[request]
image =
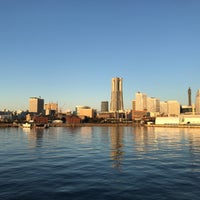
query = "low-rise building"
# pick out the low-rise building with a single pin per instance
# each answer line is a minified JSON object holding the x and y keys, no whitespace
{"x":86,"y":112}
{"x":167,"y":121}
{"x":190,"y":119}
{"x":72,"y":119}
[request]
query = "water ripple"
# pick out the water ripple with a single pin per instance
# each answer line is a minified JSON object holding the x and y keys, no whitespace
{"x":100,"y":163}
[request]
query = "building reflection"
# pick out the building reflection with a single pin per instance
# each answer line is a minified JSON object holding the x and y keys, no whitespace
{"x":35,"y":137}
{"x":116,"y":138}
{"x":86,"y":134}
{"x":154,"y":140}
{"x":145,"y":139}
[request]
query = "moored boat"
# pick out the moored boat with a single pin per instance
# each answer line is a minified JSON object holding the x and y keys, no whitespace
{"x":26,"y":125}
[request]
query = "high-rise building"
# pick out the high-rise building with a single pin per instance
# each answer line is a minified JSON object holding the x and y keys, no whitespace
{"x":173,"y":108}
{"x":36,"y":105}
{"x":153,"y":104}
{"x":104,"y":106}
{"x":163,"y":108}
{"x":189,"y":97}
{"x":141,"y":101}
{"x":116,"y":104}
{"x":197,"y":102}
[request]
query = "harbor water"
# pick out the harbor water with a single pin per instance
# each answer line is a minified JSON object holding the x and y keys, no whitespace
{"x":101,"y":163}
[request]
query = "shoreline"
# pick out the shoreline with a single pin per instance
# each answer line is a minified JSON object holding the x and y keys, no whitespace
{"x":11,"y":125}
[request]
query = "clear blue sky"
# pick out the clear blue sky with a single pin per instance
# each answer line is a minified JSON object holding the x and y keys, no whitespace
{"x":67,"y":51}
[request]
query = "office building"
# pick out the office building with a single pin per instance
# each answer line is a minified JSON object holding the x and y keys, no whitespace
{"x":104,"y":106}
{"x":36,"y":105}
{"x":51,"y":108}
{"x":163,"y":108}
{"x":153,"y":105}
{"x":116,"y":104}
{"x":173,"y":108}
{"x":141,"y":101}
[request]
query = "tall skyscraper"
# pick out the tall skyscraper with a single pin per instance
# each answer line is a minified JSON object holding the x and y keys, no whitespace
{"x":197,"y":103}
{"x":116,"y":104}
{"x":36,"y":105}
{"x":189,"y":97}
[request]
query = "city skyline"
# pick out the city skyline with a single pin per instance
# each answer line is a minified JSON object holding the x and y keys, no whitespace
{"x":68,"y":51}
{"x":116,"y":100}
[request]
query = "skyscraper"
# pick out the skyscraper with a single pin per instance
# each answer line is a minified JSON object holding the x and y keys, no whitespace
{"x":197,"y":103}
{"x":36,"y":105}
{"x":189,"y":97}
{"x":116,"y":104}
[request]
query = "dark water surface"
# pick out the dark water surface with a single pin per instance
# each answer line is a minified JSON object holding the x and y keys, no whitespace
{"x":99,"y":163}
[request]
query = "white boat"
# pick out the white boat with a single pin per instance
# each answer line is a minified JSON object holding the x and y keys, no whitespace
{"x":26,"y":125}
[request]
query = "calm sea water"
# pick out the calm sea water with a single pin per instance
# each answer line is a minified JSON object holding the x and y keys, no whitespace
{"x":99,"y":163}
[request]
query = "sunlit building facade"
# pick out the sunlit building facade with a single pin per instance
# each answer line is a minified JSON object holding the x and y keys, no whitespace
{"x":153,"y":104}
{"x":36,"y":105}
{"x":141,"y":101}
{"x":173,"y":108}
{"x":51,"y":108}
{"x":116,"y":104}
{"x":163,"y":108}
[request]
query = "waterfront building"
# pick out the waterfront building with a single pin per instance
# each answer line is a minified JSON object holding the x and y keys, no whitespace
{"x":186,"y":109}
{"x":73,"y":119}
{"x":190,"y":119}
{"x":36,"y":105}
{"x":138,"y":115}
{"x":173,"y":108}
{"x":197,"y":102}
{"x":141,"y":101}
{"x":116,"y":104}
{"x":167,"y":120}
{"x":104,"y":106}
{"x":178,"y":120}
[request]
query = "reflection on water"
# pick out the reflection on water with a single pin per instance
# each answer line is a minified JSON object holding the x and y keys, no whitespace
{"x":144,"y":139}
{"x":86,"y":134}
{"x":116,"y":138}
{"x":80,"y":163}
{"x":35,"y":136}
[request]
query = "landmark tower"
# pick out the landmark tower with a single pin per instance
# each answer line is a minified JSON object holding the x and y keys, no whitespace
{"x":189,"y":97}
{"x":116,"y":104}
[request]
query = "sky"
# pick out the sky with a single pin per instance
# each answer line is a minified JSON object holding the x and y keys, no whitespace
{"x":67,"y":51}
